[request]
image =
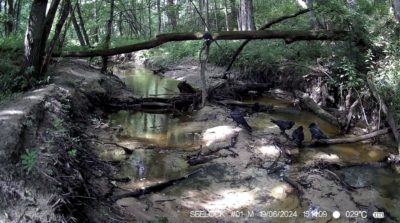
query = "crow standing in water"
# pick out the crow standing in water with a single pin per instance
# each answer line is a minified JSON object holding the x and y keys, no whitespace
{"x":238,"y":117}
{"x":283,"y":124}
{"x":316,"y":132}
{"x":298,"y":136}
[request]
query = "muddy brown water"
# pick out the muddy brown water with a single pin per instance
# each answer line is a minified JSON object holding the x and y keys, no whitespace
{"x":176,"y":133}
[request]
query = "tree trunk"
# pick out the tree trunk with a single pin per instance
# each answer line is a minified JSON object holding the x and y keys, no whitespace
{"x":57,"y":32}
{"x":17,"y":16}
{"x":226,"y":16}
{"x":216,"y":16}
{"x":51,"y":13}
{"x":108,"y":37}
{"x":120,"y":24}
{"x":313,"y":18}
{"x":246,"y":15}
{"x":159,"y":16}
{"x":208,"y":27}
{"x":234,"y":16}
{"x":77,"y":29}
{"x":171,"y":14}
{"x":33,"y":36}
{"x":10,"y":18}
{"x":96,"y":27}
{"x":396,"y":9}
{"x":82,"y":25}
{"x":149,"y":14}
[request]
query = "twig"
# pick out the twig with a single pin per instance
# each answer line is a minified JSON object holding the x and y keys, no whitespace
{"x":155,"y":187}
{"x":126,"y":149}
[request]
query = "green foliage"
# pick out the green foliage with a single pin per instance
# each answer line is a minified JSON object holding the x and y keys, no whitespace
{"x":349,"y":77}
{"x":28,"y":160}
{"x":58,"y":124}
{"x":72,"y":152}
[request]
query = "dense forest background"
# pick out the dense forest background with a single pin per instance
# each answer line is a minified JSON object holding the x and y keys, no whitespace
{"x":31,"y":31}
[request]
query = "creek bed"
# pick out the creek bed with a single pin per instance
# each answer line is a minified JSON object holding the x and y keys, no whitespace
{"x":224,"y":188}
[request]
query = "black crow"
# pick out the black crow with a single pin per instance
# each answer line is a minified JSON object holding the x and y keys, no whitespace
{"x":298,"y":136}
{"x":283,"y":124}
{"x":238,"y":117}
{"x":316,"y":132}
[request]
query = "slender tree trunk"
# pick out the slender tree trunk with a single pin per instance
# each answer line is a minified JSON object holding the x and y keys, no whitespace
{"x":207,"y":5}
{"x":396,"y":9}
{"x":216,"y":15}
{"x":77,"y":30}
{"x":82,"y":24}
{"x":60,"y":43}
{"x":33,"y":36}
{"x":108,"y":36}
{"x":246,"y":15}
{"x":313,"y":18}
{"x":17,"y":16}
{"x":149,"y":14}
{"x":96,"y":29}
{"x":120,"y":24}
{"x":171,"y":14}
{"x":226,"y":16}
{"x":234,"y":16}
{"x":51,"y":13}
{"x":159,"y":16}
{"x":57,"y":32}
{"x":10,"y":17}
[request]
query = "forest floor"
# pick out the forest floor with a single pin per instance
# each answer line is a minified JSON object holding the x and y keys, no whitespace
{"x":61,"y":124}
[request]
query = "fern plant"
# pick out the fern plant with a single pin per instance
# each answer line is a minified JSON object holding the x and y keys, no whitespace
{"x":28,"y":160}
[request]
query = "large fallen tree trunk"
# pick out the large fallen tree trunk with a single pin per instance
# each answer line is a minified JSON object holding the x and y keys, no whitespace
{"x":350,"y":139}
{"x":288,"y":36}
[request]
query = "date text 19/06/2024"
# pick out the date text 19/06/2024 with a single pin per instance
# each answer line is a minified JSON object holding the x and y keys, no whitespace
{"x":272,"y":214}
{"x":244,"y":214}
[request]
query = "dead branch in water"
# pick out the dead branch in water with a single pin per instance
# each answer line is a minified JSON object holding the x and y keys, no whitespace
{"x":126,"y":149}
{"x":155,"y":187}
{"x":349,"y":139}
{"x":310,"y":104}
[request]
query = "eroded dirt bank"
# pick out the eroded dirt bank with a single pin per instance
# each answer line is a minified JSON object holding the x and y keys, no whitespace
{"x":44,"y":131}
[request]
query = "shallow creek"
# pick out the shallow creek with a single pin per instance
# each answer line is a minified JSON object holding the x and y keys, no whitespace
{"x":218,"y":188}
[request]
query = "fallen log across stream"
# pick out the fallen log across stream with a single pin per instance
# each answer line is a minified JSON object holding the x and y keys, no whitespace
{"x":289,"y":37}
{"x":155,"y":187}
